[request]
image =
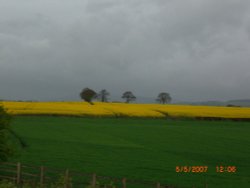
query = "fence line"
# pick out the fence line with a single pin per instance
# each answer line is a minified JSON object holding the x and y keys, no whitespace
{"x":40,"y":175}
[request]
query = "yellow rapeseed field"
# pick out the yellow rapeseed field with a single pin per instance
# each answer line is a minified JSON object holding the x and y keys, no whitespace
{"x":122,"y":109}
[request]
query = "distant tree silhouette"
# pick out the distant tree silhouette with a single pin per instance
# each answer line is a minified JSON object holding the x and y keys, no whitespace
{"x":129,"y":96}
{"x":103,"y":95}
{"x":163,"y":98}
{"x":88,"y":95}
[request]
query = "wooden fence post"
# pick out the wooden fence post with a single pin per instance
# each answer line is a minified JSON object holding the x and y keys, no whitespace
{"x":66,"y":181}
{"x":41,"y":176}
{"x":93,"y":184}
{"x":124,"y":183}
{"x":158,"y":185}
{"x":18,"y":174}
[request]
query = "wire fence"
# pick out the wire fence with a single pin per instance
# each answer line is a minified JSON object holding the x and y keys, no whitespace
{"x":42,"y":176}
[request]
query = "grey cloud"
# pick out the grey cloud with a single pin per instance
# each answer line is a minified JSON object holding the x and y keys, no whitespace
{"x":195,"y":49}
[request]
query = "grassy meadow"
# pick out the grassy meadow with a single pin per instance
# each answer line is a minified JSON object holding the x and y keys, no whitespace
{"x":148,"y":149}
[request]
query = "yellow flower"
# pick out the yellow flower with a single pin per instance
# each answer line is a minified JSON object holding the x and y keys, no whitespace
{"x":122,"y":109}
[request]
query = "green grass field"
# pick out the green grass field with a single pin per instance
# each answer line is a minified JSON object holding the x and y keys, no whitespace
{"x":147,"y":149}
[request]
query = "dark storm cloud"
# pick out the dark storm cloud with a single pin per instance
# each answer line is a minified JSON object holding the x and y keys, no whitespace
{"x":195,"y":49}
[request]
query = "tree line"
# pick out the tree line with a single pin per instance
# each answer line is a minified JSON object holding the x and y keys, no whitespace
{"x":89,"y":95}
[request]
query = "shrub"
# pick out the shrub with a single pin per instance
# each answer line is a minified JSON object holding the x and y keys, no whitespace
{"x":5,"y":149}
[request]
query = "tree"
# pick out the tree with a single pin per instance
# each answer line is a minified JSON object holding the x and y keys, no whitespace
{"x":5,"y":135}
{"x":163,"y":98}
{"x":88,"y":95}
{"x":103,"y":95}
{"x":129,"y":96}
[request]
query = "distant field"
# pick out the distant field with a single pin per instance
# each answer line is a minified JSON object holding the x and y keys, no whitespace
{"x":148,"y":149}
{"x":124,"y":110}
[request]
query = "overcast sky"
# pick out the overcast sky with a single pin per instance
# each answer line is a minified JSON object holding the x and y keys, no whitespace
{"x":193,"y":49}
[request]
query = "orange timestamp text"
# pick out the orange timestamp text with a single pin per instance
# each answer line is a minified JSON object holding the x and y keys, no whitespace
{"x":226,"y":169}
{"x":191,"y":169}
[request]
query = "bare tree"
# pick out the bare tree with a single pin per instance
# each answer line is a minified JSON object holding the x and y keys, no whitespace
{"x":129,"y":96}
{"x":88,"y":95}
{"x":164,"y":98}
{"x":103,"y":95}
